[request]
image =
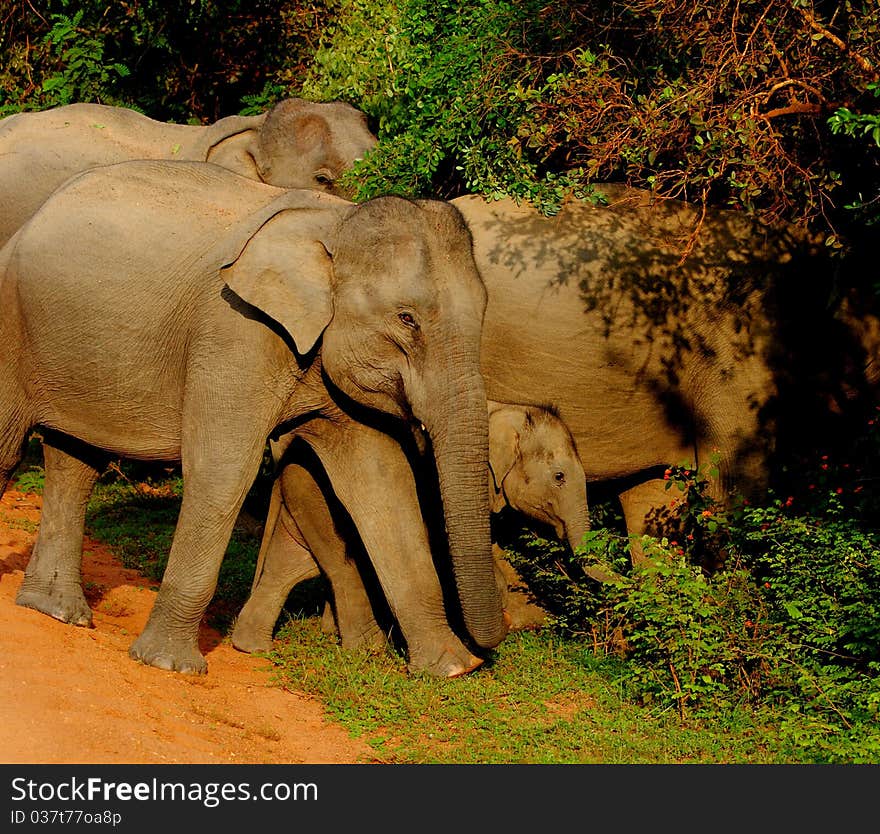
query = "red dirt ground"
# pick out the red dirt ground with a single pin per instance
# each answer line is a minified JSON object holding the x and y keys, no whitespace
{"x":73,"y":696}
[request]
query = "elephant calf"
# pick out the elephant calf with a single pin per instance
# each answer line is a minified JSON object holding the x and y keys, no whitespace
{"x":534,"y":470}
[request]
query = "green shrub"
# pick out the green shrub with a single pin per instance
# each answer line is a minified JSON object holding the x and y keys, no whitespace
{"x":452,"y":88}
{"x":789,"y":624}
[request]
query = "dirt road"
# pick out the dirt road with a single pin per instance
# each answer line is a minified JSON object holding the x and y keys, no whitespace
{"x":72,"y":695}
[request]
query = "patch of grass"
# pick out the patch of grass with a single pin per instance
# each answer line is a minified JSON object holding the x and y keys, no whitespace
{"x":30,"y":479}
{"x":137,"y":519}
{"x":541,"y":697}
{"x":539,"y":700}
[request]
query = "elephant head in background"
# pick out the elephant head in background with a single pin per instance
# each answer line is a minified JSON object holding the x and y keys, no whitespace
{"x":534,"y":470}
{"x":296,"y":144}
{"x":236,"y":308}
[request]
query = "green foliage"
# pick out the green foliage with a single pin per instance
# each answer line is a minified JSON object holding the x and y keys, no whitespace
{"x":178,"y":60}
{"x":820,"y":577}
{"x":789,"y":623}
{"x":31,"y":479}
{"x":722,"y":105}
{"x":866,"y":128}
{"x":83,"y":72}
{"x":865,"y":125}
{"x":450,"y":94}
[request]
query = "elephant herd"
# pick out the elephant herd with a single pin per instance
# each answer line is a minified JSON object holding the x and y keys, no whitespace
{"x":189,"y":294}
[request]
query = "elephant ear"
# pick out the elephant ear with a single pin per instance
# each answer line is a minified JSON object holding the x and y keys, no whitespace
{"x":219,"y":132}
{"x":285,"y":270}
{"x":505,"y":427}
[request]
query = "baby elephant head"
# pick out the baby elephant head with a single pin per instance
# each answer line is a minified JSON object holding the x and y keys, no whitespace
{"x":536,"y":470}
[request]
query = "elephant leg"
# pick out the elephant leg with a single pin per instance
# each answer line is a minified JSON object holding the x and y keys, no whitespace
{"x":328,"y":620}
{"x":14,"y":428}
{"x":285,"y":562}
{"x":216,"y":478}
{"x":645,"y":506}
{"x":374,"y":481}
{"x":308,"y":496}
{"x":53,"y":580}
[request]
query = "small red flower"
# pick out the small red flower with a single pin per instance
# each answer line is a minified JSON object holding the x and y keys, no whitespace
{"x":839,"y":490}
{"x":766,"y":584}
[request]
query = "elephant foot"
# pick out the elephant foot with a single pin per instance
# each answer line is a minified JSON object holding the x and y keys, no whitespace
{"x":250,"y":637}
{"x":356,"y":628}
{"x":66,"y":604}
{"x":450,"y":662}
{"x":370,"y":637}
{"x":169,"y":653}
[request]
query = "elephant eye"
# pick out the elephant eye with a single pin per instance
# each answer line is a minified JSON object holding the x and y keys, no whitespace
{"x":324,"y":177}
{"x":559,"y":477}
{"x":408,"y":319}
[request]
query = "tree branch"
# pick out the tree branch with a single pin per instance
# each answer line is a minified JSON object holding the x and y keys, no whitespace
{"x":863,"y":62}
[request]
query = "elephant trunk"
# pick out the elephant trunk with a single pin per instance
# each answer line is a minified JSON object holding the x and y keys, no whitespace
{"x":459,"y":435}
{"x":576,"y":526}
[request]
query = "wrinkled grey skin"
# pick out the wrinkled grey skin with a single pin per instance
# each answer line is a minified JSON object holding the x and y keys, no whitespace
{"x":176,"y":311}
{"x":296,"y":144}
{"x":654,"y":361}
{"x":534,"y":470}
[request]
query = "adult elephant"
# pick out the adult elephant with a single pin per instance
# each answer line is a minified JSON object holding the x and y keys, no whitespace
{"x":534,"y":470}
{"x":661,"y":336}
{"x":664,"y":337}
{"x":296,"y":144}
{"x":177,"y":311}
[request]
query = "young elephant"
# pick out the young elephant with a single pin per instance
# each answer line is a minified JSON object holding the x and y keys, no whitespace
{"x":296,"y":144}
{"x":177,"y":311}
{"x":534,"y":470}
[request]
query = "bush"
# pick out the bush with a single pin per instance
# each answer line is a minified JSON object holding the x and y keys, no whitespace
{"x":453,"y":89}
{"x":746,"y":105}
{"x":177,"y":60}
{"x":790,"y":624}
